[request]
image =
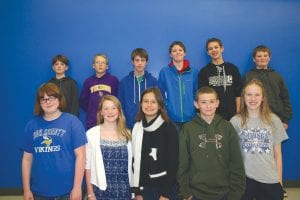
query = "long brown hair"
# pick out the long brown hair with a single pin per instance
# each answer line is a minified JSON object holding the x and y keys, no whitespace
{"x":265,"y":112}
{"x":158,"y":97}
{"x":122,"y":129}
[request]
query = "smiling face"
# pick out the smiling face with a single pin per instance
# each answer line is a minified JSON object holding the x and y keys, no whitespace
{"x":177,"y":53}
{"x":100,"y":65}
{"x":215,"y":50}
{"x":109,"y":111}
{"x":261,"y":59}
{"x":150,"y":106}
{"x":253,"y":98}
{"x":207,"y":104}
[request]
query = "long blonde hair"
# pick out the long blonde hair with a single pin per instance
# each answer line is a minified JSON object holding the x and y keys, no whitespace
{"x":122,"y":129}
{"x":265,"y":112}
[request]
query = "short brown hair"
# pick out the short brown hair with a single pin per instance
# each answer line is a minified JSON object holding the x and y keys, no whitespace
{"x":213,"y":40}
{"x":60,"y":58}
{"x":51,"y":90}
{"x":205,"y":90}
{"x":179,"y":43}
{"x":262,"y":48}
{"x":139,"y":52}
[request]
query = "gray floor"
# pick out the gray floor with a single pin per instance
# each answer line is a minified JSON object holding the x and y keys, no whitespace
{"x":293,"y":194}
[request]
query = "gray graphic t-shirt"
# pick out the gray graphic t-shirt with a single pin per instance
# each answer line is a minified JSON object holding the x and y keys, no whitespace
{"x":257,"y":141}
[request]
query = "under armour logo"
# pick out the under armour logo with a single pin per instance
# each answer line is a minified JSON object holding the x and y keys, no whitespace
{"x":215,"y":140}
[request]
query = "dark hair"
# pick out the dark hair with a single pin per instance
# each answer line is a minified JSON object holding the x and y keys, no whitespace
{"x":205,"y":90}
{"x":60,"y":58}
{"x":162,"y":110}
{"x":213,"y":40}
{"x":262,"y":48}
{"x":179,"y":43}
{"x":51,"y":90}
{"x":139,"y":52}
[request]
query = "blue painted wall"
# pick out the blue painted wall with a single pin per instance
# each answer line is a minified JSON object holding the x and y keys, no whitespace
{"x":32,"y":32}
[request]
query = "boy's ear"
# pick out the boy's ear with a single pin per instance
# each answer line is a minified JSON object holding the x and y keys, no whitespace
{"x":196,"y":105}
{"x":218,"y":103}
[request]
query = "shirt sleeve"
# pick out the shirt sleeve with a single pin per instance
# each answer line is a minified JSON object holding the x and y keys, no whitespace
{"x":278,"y":130}
{"x":27,"y":141}
{"x":84,"y":97}
{"x":78,"y":133}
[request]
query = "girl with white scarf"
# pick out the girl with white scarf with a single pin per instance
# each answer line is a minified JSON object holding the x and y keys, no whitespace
{"x":154,"y":149}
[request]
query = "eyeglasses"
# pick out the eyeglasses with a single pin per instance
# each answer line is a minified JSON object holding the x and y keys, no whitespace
{"x":149,"y":102}
{"x":45,"y":100}
{"x":100,"y":63}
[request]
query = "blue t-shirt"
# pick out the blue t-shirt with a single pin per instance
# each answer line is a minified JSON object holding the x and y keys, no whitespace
{"x":52,"y":145}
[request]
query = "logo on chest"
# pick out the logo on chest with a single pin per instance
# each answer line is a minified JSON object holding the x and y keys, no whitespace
{"x":216,"y":140}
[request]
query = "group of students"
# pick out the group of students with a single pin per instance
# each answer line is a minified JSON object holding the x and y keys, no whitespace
{"x":187,"y":135}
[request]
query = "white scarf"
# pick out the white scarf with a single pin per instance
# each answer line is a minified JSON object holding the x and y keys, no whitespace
{"x":137,"y":139}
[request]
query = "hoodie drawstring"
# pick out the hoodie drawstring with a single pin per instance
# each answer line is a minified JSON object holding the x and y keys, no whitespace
{"x":139,"y":85}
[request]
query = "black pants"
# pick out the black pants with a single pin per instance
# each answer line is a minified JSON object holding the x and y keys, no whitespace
{"x":262,"y":191}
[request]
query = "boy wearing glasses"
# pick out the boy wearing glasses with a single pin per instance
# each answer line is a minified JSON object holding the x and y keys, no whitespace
{"x":134,"y":84}
{"x":67,"y":85}
{"x":210,"y":160}
{"x":95,"y":87}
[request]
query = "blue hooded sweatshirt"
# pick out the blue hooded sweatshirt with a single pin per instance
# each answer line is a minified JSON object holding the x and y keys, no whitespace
{"x":178,"y":89}
{"x":130,"y":92}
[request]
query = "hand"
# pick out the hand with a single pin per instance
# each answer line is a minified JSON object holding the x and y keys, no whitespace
{"x":163,"y":198}
{"x":138,"y":197}
{"x":76,"y":194}
{"x":91,"y":198}
{"x":190,"y":198}
{"x":28,"y":195}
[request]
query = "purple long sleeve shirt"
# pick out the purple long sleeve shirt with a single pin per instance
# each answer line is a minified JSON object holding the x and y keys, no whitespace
{"x":93,"y":90}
